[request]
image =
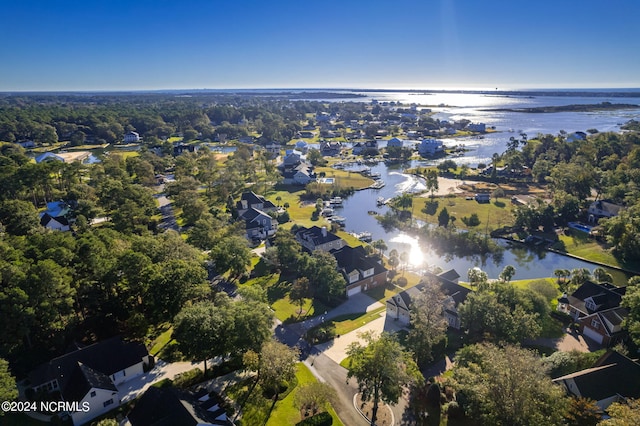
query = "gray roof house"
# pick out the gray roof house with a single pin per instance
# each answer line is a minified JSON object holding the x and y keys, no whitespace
{"x":91,"y":375}
{"x":399,"y":306}
{"x":613,"y":378}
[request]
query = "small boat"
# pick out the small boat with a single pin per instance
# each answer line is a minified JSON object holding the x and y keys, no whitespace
{"x":336,"y":201}
{"x":372,"y":212}
{"x":378,"y":184}
{"x":364,"y":236}
{"x":380,"y":201}
{"x":340,"y":220}
{"x":327,"y":212}
{"x":375,"y":175}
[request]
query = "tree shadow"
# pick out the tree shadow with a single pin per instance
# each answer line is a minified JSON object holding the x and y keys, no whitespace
{"x":500,"y":204}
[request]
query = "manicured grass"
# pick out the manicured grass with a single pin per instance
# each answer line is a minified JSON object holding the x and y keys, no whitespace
{"x":161,"y":341}
{"x":285,"y":413}
{"x":346,"y":179}
{"x":260,"y":411}
{"x":125,"y":154}
{"x":497,"y":213}
{"x":345,"y":362}
{"x":347,"y":323}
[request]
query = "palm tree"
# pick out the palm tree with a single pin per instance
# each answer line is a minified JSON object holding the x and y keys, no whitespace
{"x":404,"y":258}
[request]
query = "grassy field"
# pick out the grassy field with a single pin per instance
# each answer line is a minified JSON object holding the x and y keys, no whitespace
{"x":497,"y":213}
{"x":258,"y":410}
{"x":285,"y":413}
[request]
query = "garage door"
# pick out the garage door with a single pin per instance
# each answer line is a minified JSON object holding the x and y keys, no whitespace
{"x":592,"y":334}
{"x":353,"y":291}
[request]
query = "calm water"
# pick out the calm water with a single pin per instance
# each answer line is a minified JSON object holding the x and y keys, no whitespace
{"x":473,"y":107}
{"x":355,"y":209}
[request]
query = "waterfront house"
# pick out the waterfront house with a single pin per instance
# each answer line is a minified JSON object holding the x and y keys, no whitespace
{"x":602,"y":209}
{"x":596,"y":309}
{"x":273,"y":149}
{"x":394,"y":143}
{"x":64,"y":157}
{"x":302,"y":174}
{"x":361,"y":272}
{"x":254,"y":209}
{"x":330,"y":149}
{"x":90,"y":374}
{"x":477,"y":127}
{"x":182,"y":148}
{"x":316,"y":238}
{"x":131,"y":137}
{"x":613,"y":378}
{"x":399,"y":306}
{"x":430,"y":147}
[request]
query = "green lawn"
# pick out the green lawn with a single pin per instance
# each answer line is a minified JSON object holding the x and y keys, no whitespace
{"x":285,"y":413}
{"x":257,"y":410}
{"x":347,"y":323}
{"x":161,"y":341}
{"x":497,"y":213}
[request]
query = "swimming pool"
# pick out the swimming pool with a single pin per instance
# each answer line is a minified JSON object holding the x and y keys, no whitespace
{"x":580,"y":227}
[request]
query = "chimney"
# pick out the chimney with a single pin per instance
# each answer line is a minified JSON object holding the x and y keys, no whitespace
{"x":324,"y":231}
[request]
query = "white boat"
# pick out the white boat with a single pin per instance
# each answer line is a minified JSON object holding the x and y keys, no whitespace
{"x":378,"y":184}
{"x":340,"y":220}
{"x":336,"y":201}
{"x":364,"y":236}
{"x":380,"y":201}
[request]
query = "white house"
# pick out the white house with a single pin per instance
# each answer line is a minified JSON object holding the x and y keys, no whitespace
{"x":430,"y":147}
{"x":91,"y":374}
{"x":602,"y":209}
{"x":131,"y":137}
{"x":56,"y":217}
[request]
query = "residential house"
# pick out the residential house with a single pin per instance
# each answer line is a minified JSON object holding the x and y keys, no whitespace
{"x":361,"y":272}
{"x":65,"y":157}
{"x":394,"y":143}
{"x":399,"y":306}
{"x":307,"y":134}
{"x":245,"y":139}
{"x":182,"y":148}
{"x":131,"y":137}
{"x":362,"y":147}
{"x":576,"y":136}
{"x":292,"y":158}
{"x":91,"y":374}
{"x":602,"y":209}
{"x":171,"y":406}
{"x":482,"y":197}
{"x":604,"y":327}
{"x":273,"y":149}
{"x":613,"y":378}
{"x":596,"y":309}
{"x":254,"y":209}
{"x":477,"y":127}
{"x":430,"y":147}
{"x":302,"y":146}
{"x":27,"y":144}
{"x":57,"y":216}
{"x":330,"y":149}
{"x":302,"y":174}
{"x":316,"y":238}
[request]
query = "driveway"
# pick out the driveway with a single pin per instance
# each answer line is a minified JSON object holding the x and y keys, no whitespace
{"x":571,"y":341}
{"x":162,"y":370}
{"x":336,"y":349}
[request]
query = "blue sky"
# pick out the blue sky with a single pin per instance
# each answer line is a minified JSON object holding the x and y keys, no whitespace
{"x":193,"y":44}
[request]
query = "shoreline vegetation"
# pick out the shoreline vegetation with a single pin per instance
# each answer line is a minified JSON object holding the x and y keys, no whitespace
{"x":603,"y":106}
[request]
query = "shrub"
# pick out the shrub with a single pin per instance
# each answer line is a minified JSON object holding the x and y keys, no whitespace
{"x":188,"y":378}
{"x":472,"y":220}
{"x":321,"y":419}
{"x":401,"y":281}
{"x":322,"y":333}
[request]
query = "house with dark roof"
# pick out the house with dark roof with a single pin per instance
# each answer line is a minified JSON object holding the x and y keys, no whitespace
{"x":91,"y":374}
{"x":596,"y":309}
{"x":591,"y":297}
{"x":361,"y":272}
{"x":316,"y":238}
{"x":330,"y":149}
{"x":399,"y":306}
{"x":57,"y":216}
{"x":169,"y":406}
{"x":613,"y":378}
{"x":254,"y":209}
{"x":251,"y":200}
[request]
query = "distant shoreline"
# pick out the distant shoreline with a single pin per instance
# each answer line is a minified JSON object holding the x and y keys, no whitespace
{"x":567,"y":108}
{"x":344,"y":93}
